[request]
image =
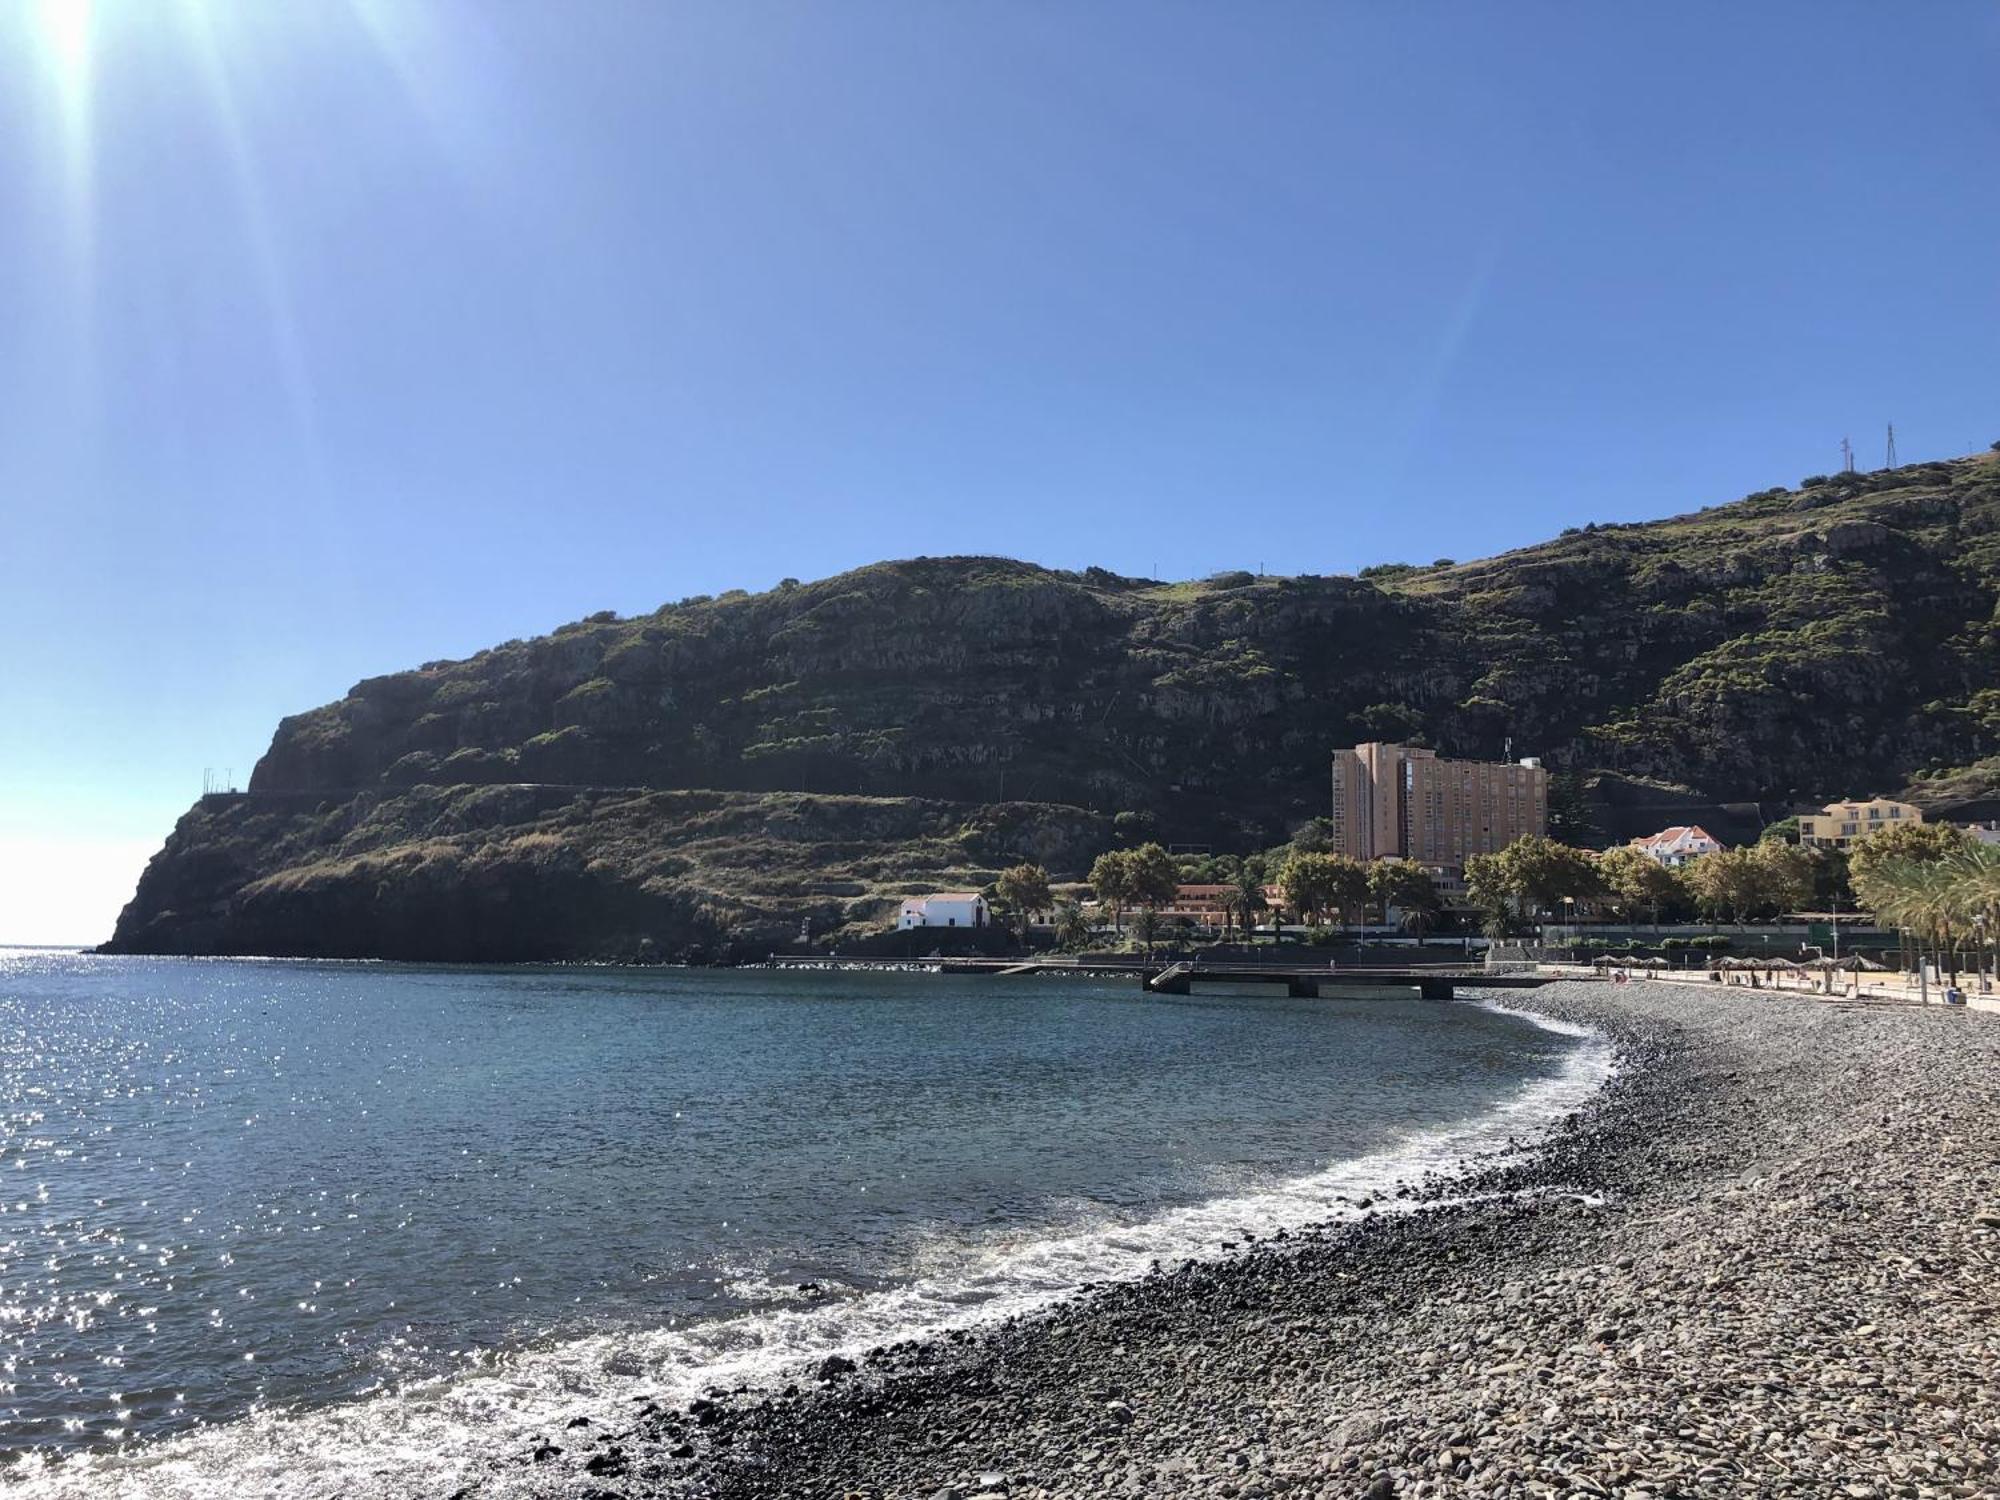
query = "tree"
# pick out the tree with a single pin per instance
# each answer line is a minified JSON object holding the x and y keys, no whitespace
{"x":1784,"y":831}
{"x":1917,"y":843}
{"x":1831,"y":887}
{"x":1489,"y":889}
{"x":1111,"y":878}
{"x":1541,"y":872}
{"x":1147,"y":927}
{"x":1941,"y":903}
{"x":1346,"y":885}
{"x":1787,"y":877}
{"x":1757,"y":880}
{"x":1572,"y":812}
{"x":1921,"y":898}
{"x":1024,"y":890}
{"x":1724,"y":883}
{"x":1072,"y":930}
{"x":1408,"y":888}
{"x":1245,"y":901}
{"x":1305,"y":883}
{"x":1155,"y":878}
{"x":1316,"y":836}
{"x":1310,"y":883}
{"x":1637,"y":883}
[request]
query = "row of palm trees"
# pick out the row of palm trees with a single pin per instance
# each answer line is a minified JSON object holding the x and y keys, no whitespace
{"x":1948,"y":906}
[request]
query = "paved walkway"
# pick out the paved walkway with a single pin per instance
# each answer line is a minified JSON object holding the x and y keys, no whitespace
{"x":1880,"y":988}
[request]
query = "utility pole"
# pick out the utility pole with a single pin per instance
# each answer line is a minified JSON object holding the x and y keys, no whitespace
{"x":1892,"y":446}
{"x":1846,"y":456}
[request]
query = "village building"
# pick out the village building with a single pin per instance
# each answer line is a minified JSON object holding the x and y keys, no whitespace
{"x":1841,"y":825}
{"x":945,"y":909}
{"x":1208,"y":905}
{"x":1404,"y":802}
{"x":1678,"y":846}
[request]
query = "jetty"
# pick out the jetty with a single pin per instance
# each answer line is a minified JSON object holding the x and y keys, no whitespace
{"x":1183,"y":976}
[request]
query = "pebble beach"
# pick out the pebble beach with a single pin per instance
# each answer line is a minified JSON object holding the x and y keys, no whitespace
{"x":1764,"y":1260}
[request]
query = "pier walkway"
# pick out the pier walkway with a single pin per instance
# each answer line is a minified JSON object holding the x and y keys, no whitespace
{"x":1182,"y":976}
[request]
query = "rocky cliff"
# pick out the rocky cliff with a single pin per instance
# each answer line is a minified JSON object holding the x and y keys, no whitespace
{"x":922,"y":721}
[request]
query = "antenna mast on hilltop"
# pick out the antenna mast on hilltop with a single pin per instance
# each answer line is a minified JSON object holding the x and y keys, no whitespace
{"x":1892,"y":446}
{"x":1846,"y":456}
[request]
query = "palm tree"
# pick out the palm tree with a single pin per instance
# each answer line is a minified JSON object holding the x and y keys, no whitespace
{"x":1936,"y":902}
{"x":1246,"y":901}
{"x":1072,"y":931}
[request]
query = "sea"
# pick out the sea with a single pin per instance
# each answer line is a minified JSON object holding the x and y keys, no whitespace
{"x":311,"y":1229}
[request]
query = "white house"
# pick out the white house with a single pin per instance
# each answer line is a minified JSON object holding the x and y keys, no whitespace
{"x":1677,"y":846}
{"x":945,"y":909}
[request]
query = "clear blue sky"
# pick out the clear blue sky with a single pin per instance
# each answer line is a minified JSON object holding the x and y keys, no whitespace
{"x":339,"y":335}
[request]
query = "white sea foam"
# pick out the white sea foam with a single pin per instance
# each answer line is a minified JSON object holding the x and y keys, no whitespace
{"x":428,"y":1438}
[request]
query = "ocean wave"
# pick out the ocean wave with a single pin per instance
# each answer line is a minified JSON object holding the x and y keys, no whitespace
{"x":431,"y":1437}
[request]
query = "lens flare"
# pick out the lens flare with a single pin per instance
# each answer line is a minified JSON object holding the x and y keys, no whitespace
{"x":260,"y":227}
{"x":62,"y":31}
{"x":65,"y":30}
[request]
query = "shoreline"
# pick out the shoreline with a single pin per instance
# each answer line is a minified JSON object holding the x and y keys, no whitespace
{"x":433,"y":1436}
{"x":1693,"y":1285}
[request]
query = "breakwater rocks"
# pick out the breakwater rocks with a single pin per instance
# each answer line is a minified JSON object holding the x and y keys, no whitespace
{"x":1764,"y":1261}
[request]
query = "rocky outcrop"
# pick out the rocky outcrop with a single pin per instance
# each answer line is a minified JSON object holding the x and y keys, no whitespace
{"x":1785,"y":647}
{"x":520,"y":873}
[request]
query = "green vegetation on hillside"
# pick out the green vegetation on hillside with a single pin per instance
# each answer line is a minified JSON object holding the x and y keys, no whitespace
{"x":1794,"y":646}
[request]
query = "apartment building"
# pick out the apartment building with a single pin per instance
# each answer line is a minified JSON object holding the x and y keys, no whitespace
{"x":1841,"y":825}
{"x":1407,"y":802}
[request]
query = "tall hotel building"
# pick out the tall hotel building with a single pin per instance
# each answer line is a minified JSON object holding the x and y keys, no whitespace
{"x":1399,"y":800}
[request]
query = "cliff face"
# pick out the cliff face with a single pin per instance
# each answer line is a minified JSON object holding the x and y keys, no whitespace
{"x":1792,"y":645}
{"x":516,"y":873}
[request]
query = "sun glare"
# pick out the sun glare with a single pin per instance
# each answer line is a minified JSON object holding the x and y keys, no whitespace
{"x":65,"y":30}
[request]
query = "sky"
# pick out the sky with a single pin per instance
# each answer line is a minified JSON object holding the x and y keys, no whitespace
{"x":341,"y":335}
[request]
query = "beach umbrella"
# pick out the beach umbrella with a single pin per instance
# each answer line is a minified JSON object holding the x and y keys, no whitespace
{"x":1783,"y":963}
{"x":1654,"y":962}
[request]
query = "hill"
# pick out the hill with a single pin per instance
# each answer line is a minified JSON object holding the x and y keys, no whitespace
{"x":1791,"y":646}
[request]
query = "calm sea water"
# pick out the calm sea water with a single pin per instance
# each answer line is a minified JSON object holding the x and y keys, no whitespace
{"x":337,"y":1228}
